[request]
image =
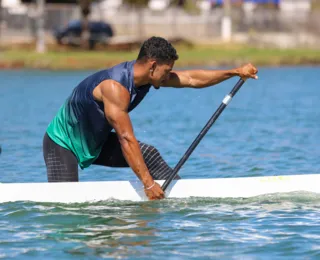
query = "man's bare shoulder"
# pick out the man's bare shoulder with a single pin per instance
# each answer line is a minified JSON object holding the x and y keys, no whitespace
{"x":112,"y":91}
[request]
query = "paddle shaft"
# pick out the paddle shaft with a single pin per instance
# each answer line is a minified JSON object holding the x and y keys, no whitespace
{"x":203,"y":132}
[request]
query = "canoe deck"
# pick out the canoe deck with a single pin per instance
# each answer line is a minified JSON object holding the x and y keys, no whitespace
{"x":78,"y":192}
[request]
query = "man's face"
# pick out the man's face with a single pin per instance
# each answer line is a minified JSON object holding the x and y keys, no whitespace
{"x":160,"y":73}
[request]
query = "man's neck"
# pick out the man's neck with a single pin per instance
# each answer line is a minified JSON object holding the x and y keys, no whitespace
{"x":140,"y":76}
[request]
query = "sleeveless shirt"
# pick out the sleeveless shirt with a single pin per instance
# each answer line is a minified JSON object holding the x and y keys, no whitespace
{"x":80,"y":124}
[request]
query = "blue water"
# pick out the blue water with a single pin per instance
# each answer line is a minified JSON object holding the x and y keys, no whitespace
{"x":271,"y":127}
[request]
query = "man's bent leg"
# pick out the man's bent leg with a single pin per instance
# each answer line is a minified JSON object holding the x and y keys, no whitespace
{"x":111,"y":155}
{"x":62,"y":165}
{"x":157,"y":167}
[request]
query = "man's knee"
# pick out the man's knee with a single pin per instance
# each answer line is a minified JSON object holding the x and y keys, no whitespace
{"x":157,"y":166}
{"x":149,"y":151}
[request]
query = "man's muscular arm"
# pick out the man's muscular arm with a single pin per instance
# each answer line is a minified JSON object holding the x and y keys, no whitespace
{"x":116,"y":100}
{"x":206,"y":78}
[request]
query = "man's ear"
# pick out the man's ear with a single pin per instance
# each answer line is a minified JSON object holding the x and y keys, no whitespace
{"x":153,"y":65}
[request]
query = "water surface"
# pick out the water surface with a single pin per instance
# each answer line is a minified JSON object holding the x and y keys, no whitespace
{"x":271,"y":127}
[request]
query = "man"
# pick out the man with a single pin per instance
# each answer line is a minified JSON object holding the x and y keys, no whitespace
{"x":80,"y":133}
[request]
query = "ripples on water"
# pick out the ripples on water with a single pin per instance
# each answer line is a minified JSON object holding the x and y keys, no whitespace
{"x":265,"y":226}
{"x":271,"y":127}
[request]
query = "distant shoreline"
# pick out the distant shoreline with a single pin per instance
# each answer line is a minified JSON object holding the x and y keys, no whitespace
{"x":24,"y":57}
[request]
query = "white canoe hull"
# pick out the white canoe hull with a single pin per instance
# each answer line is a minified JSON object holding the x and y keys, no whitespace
{"x":133,"y":191}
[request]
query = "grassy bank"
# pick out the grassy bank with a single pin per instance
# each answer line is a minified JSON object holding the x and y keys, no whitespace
{"x":200,"y":55}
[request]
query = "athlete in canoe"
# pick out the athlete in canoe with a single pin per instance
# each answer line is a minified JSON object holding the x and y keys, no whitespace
{"x":81,"y":132}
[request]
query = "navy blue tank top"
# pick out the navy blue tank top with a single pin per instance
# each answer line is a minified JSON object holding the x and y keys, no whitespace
{"x":80,"y":125}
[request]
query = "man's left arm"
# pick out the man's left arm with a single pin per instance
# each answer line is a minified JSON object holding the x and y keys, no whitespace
{"x":206,"y":78}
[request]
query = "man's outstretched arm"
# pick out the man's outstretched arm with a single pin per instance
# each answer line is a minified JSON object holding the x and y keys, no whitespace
{"x":116,"y":100}
{"x":206,"y":78}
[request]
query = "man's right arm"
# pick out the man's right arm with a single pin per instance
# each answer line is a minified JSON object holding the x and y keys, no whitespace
{"x":116,"y":100}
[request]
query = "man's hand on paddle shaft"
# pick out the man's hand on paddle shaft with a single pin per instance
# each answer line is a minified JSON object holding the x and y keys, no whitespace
{"x":247,"y":71}
{"x":155,"y":192}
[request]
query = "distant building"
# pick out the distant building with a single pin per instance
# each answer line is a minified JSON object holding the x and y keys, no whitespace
{"x":14,"y":6}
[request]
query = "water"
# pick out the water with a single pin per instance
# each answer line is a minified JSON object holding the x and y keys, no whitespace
{"x":271,"y":127}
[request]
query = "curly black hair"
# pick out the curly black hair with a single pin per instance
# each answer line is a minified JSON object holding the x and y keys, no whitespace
{"x":159,"y":49}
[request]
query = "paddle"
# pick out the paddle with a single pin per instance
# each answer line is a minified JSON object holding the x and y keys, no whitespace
{"x":206,"y":128}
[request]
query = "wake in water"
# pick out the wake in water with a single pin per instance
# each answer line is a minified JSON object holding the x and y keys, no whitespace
{"x":121,"y":229}
{"x":306,"y":198}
